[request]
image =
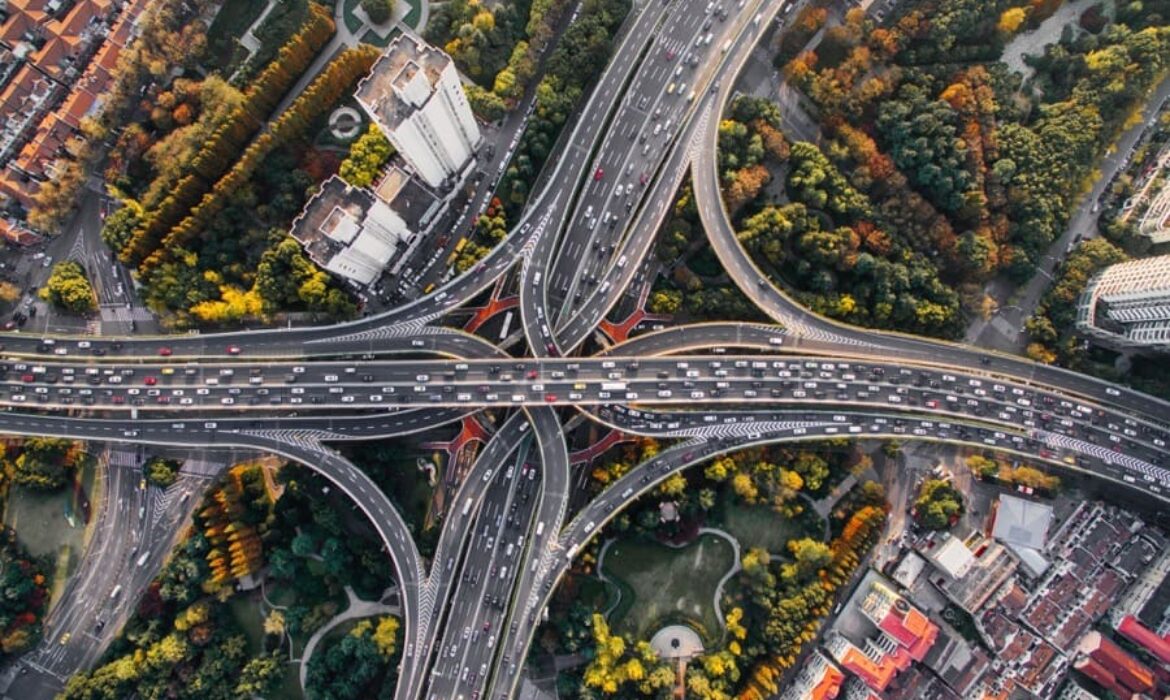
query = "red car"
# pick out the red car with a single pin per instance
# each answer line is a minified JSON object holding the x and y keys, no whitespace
{"x":165,"y":352}
{"x":233,"y":350}
{"x":550,"y":398}
{"x":598,"y":174}
{"x":532,"y":374}
{"x":150,"y":381}
{"x":26,"y":378}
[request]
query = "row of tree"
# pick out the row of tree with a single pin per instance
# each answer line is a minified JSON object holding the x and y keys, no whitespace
{"x":193,"y":273}
{"x":170,"y":37}
{"x":218,"y":152}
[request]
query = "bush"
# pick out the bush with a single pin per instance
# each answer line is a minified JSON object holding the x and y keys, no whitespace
{"x":68,"y":289}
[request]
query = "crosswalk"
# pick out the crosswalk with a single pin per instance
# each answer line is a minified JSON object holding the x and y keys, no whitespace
{"x":111,"y":313}
{"x":772,"y":429}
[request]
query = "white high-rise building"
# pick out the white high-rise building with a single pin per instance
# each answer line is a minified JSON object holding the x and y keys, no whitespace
{"x":1127,"y":305}
{"x":414,"y":94}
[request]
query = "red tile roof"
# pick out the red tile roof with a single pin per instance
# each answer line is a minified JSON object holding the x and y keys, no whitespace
{"x":1139,"y":634}
{"x":910,"y":628}
{"x":1129,"y":671}
{"x":1101,"y":676}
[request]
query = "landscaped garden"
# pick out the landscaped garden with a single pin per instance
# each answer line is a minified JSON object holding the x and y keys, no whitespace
{"x":661,"y":583}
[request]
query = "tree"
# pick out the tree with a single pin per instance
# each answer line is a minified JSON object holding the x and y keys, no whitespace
{"x":1011,"y":20}
{"x":161,"y":472}
{"x":9,"y":292}
{"x":261,"y":676}
{"x":274,"y":623}
{"x":386,"y":635}
{"x":938,"y":504}
{"x":665,"y":301}
{"x":68,"y":289}
{"x":379,"y":11}
{"x":367,"y":156}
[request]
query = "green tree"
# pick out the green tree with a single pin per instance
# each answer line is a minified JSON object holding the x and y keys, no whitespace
{"x":379,"y":11}
{"x":938,"y":503}
{"x":368,"y":154}
{"x":161,"y":472}
{"x":68,"y":289}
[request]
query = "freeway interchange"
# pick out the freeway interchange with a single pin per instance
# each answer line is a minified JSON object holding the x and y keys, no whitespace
{"x":507,"y":538}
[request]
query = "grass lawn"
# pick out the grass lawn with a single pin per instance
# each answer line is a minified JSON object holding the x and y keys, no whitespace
{"x":668,"y":582}
{"x":371,"y":37}
{"x":760,"y":526}
{"x":245,"y":611}
{"x":290,"y":687}
{"x":352,"y":23}
{"x":230,"y":23}
{"x":53,"y":524}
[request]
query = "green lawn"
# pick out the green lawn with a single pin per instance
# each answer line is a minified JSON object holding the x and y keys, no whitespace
{"x":760,"y":526}
{"x":52,"y":525}
{"x":245,"y":610}
{"x":371,"y":37}
{"x":229,"y":24}
{"x":668,"y":583}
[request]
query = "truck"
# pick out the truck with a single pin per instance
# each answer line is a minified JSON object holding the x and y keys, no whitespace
{"x":613,"y":386}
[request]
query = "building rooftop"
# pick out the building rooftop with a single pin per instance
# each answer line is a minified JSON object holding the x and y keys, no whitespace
{"x":401,"y":80}
{"x":818,"y":679}
{"x":1144,"y":637}
{"x":340,"y":217}
{"x":1022,"y":522}
{"x":953,"y":557}
{"x":1130,"y":672}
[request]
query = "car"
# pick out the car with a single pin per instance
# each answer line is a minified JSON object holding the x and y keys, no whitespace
{"x":598,"y":174}
{"x":165,"y":352}
{"x":1112,"y":392}
{"x":149,"y":381}
{"x":532,"y":374}
{"x":551,"y":398}
{"x":670,"y":54}
{"x":65,"y":638}
{"x":233,"y":350}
